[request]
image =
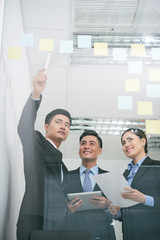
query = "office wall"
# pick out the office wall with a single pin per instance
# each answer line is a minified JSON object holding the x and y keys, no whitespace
{"x":14,"y":89}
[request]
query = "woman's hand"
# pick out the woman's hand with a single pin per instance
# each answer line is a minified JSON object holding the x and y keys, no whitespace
{"x":134,"y":195}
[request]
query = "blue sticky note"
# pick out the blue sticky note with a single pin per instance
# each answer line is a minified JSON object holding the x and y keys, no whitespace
{"x":135,"y":67}
{"x":26,"y":39}
{"x":119,"y":54}
{"x":84,"y":41}
{"x":155,"y":53}
{"x":153,"y":90}
{"x":125,"y":102}
{"x":66,"y":46}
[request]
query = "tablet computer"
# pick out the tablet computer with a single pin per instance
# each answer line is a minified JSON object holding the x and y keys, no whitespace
{"x":84,"y":196}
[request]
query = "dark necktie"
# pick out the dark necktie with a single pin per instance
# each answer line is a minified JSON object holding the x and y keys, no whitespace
{"x":87,"y":186}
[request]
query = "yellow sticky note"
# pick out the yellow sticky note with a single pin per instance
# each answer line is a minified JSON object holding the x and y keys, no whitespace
{"x":145,"y":108}
{"x":14,"y":53}
{"x":154,"y":74}
{"x":46,"y":45}
{"x":101,"y":49}
{"x":152,"y":126}
{"x":132,"y":85}
{"x":138,"y":50}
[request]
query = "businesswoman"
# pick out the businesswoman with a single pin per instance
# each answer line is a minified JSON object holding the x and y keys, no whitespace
{"x":141,"y":221}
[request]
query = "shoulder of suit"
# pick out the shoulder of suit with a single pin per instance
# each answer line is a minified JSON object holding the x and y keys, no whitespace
{"x":102,"y":170}
{"x":74,"y":171}
{"x":150,"y":161}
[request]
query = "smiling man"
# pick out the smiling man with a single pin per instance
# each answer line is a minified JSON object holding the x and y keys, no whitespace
{"x":43,"y":206}
{"x":97,"y":222}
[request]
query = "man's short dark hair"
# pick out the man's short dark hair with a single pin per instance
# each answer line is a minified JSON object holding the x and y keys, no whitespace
{"x":50,"y":115}
{"x":92,"y":133}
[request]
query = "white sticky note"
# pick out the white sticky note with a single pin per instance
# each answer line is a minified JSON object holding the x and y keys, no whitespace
{"x":153,"y":90}
{"x":84,"y":41}
{"x":66,"y":46}
{"x":26,"y":39}
{"x":145,"y":108}
{"x":125,"y":102}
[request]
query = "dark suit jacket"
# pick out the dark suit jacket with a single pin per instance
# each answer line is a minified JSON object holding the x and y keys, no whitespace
{"x":42,"y":168}
{"x":141,"y":222}
{"x":97,"y":222}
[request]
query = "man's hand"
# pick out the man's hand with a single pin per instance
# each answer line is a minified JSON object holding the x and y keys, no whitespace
{"x":99,"y":202}
{"x":134,"y":195}
{"x":39,"y":83}
{"x":74,"y":204}
{"x":113,"y":209}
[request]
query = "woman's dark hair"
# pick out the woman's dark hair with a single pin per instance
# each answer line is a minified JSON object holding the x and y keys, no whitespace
{"x":138,"y":132}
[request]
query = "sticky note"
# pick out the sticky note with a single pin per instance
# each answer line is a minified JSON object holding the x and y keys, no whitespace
{"x":154,"y":74}
{"x":66,"y":46}
{"x":84,"y":41}
{"x":155,"y":53}
{"x":138,"y":50}
{"x":14,"y":53}
{"x":135,"y":67}
{"x":26,"y":39}
{"x":125,"y":103}
{"x":46,"y":45}
{"x":132,"y":85}
{"x":153,"y":90}
{"x":152,"y":126}
{"x":101,"y":49}
{"x":119,"y":54}
{"x":145,"y":108}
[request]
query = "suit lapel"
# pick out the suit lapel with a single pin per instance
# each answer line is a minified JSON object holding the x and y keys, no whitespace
{"x":141,"y":171}
{"x":126,"y":173}
{"x":75,"y":181}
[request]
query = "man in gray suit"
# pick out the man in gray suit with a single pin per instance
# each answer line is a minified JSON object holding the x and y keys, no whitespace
{"x":43,"y":206}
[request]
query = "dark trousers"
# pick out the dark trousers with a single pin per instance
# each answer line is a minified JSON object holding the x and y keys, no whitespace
{"x":27,"y":224}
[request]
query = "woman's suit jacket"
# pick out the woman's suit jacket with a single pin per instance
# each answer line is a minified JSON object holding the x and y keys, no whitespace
{"x":44,"y":194}
{"x":97,"y":222}
{"x":141,"y":222}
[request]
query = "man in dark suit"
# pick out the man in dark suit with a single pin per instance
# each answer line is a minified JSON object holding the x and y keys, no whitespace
{"x":43,"y":206}
{"x":96,"y":221}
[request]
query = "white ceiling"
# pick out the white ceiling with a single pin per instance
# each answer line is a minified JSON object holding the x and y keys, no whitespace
{"x":86,"y":85}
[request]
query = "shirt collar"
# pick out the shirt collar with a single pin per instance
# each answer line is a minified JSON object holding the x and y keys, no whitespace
{"x":138,"y":164}
{"x":51,"y":143}
{"x":93,"y":169}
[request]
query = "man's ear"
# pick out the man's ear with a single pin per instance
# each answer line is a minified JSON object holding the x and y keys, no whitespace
{"x":100,"y":151}
{"x":46,"y":127}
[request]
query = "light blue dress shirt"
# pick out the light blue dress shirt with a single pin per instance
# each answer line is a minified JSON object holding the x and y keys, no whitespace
{"x":94,"y":171}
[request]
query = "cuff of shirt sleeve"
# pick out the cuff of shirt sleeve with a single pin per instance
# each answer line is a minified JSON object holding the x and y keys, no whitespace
{"x":149,"y":201}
